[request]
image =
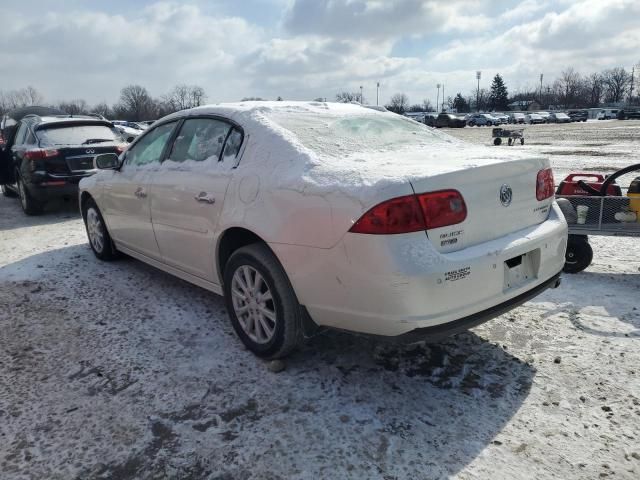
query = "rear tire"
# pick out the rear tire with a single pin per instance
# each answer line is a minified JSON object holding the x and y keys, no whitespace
{"x":497,"y":141}
{"x":261,"y":303}
{"x":99,"y":238}
{"x":579,"y":254}
{"x":30,"y":206}
{"x":7,"y":192}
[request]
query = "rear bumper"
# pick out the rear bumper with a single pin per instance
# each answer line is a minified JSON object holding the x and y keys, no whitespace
{"x":54,"y":187}
{"x":396,"y":284}
{"x":447,"y":329}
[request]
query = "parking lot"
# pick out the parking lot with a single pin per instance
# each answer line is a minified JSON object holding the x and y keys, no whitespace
{"x":122,"y":371}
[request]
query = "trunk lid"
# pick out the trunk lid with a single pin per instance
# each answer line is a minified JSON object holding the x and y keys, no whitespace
{"x":500,"y":199}
{"x":77,"y":159}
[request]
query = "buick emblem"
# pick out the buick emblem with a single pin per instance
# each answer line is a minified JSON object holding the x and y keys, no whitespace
{"x":90,"y":151}
{"x":506,"y":195}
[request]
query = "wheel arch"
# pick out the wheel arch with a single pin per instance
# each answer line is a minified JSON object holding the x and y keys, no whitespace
{"x":84,"y":197}
{"x":232,"y":239}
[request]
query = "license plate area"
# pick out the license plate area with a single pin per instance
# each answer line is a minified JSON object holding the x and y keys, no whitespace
{"x":521,"y":269}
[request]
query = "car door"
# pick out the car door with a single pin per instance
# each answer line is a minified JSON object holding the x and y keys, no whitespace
{"x":126,"y":200}
{"x":188,"y":190}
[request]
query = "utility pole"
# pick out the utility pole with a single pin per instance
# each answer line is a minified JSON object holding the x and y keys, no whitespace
{"x":377,"y":92}
{"x":541,"y":102}
{"x":361,"y":102}
{"x":443,"y":97}
{"x":478,"y":75}
{"x":438,"y":97}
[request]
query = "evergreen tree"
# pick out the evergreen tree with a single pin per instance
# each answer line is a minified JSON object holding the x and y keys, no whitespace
{"x":499,"y":96}
{"x":460,"y":104}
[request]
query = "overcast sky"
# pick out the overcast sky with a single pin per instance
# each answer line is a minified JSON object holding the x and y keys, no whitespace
{"x":303,"y":49}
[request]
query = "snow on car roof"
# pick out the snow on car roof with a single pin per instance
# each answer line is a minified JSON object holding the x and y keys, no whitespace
{"x":318,"y":146}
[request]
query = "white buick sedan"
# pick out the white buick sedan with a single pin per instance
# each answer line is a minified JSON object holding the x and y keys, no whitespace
{"x":308,"y":215}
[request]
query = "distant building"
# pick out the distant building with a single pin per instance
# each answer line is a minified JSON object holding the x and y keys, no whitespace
{"x":525,"y":105}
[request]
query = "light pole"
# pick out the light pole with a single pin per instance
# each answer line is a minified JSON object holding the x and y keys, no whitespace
{"x":438,"y":97}
{"x":541,"y":102}
{"x":443,"y":97}
{"x":361,"y":102}
{"x":478,"y":75}
{"x":377,"y":92}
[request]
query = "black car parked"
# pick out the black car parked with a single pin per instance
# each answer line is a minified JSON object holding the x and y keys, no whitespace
{"x":449,"y":120}
{"x":45,"y":157}
{"x":629,"y":113}
{"x":578,"y":115}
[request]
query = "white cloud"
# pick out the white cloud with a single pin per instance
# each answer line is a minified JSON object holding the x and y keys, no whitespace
{"x":316,"y":49}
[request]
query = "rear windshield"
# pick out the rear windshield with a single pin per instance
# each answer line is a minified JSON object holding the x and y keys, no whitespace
{"x":337,"y":136}
{"x":77,"y":135}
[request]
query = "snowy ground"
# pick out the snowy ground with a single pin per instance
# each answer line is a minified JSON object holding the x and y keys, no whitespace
{"x":121,"y":371}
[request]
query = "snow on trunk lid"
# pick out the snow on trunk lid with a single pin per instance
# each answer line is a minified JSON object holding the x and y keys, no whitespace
{"x":500,"y":199}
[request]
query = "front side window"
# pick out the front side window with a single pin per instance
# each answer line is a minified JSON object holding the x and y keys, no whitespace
{"x":199,"y":140}
{"x":150,"y":147}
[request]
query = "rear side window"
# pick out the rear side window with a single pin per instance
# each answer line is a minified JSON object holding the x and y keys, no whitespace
{"x":77,"y":135}
{"x":22,"y":133}
{"x":232,"y":147}
{"x":199,"y":140}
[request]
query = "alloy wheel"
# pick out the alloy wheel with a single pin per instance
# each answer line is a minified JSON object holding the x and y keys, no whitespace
{"x":94,"y":229}
{"x":22,"y":194}
{"x":253,"y":304}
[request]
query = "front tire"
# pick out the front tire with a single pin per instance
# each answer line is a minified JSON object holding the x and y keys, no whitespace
{"x":262,"y":305}
{"x":579,"y":254}
{"x":99,"y":238}
{"x":7,"y":192}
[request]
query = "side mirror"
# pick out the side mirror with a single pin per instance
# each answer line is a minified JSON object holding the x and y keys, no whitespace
{"x":107,"y":161}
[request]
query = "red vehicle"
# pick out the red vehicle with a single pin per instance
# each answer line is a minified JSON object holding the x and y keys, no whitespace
{"x":595,"y":204}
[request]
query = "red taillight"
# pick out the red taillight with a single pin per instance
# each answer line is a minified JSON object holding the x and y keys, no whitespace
{"x":443,"y":208}
{"x":544,"y":184}
{"x":398,"y":215}
{"x":413,"y":213}
{"x":40,"y":154}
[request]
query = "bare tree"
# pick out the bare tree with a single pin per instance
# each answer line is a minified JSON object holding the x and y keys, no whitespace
{"x":479,"y":100}
{"x":617,"y":80}
{"x":347,"y":97}
{"x":102,"y":109}
{"x":23,"y":97}
{"x":567,"y":88}
{"x":136,"y":104}
{"x":426,"y":105}
{"x":594,"y":85}
{"x":399,"y":103}
{"x":182,"y":97}
{"x":74,"y":107}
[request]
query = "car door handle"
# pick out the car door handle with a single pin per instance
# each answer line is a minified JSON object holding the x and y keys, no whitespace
{"x":140,"y":192}
{"x":205,"y":197}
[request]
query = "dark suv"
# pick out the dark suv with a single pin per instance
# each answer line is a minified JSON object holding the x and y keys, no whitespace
{"x":448,"y":120}
{"x":578,"y":115}
{"x":46,"y":156}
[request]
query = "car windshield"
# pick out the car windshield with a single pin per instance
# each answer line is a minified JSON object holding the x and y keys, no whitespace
{"x":76,"y":135}
{"x":338,"y":136}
